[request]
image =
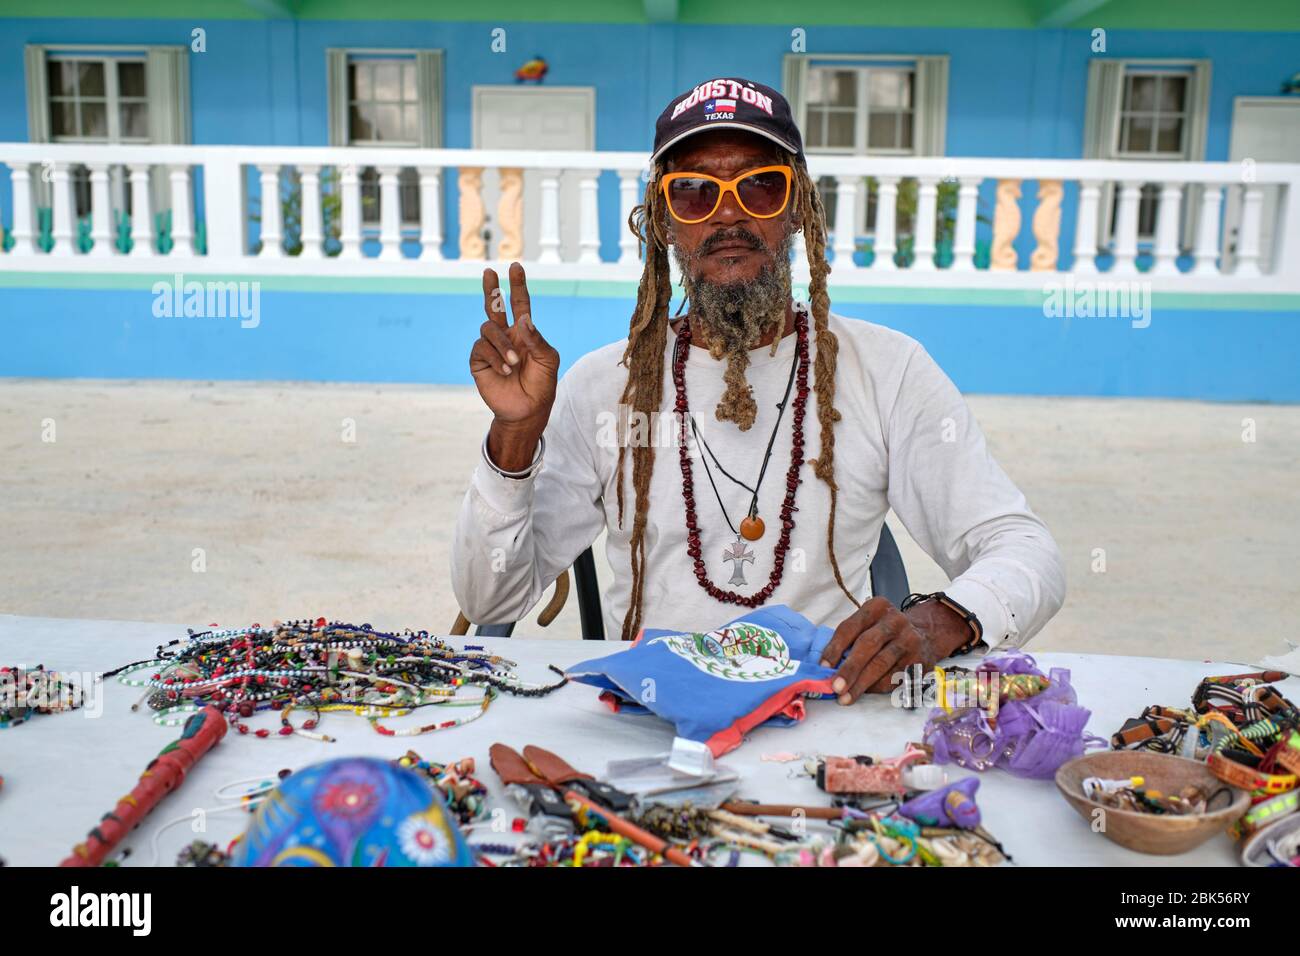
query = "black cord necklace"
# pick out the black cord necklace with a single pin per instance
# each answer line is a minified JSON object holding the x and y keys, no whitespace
{"x":751,"y":527}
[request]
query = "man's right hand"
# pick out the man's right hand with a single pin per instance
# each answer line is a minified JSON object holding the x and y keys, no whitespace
{"x":515,"y":370}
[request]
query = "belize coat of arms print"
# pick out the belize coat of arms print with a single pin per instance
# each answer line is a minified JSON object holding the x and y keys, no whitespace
{"x":740,"y":651}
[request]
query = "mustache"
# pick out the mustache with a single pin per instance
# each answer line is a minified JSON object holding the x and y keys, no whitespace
{"x":735,"y":234}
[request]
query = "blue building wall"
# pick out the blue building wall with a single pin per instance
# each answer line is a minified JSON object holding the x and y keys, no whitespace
{"x":422,"y":330}
{"x":1011,"y":92}
{"x":1015,"y":93}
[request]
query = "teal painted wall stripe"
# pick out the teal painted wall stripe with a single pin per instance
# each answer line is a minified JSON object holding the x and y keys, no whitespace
{"x":615,"y":289}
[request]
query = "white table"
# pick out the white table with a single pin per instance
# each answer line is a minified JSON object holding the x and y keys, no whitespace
{"x":63,"y":772}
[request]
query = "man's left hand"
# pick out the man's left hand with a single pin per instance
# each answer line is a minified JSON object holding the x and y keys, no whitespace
{"x":878,"y":640}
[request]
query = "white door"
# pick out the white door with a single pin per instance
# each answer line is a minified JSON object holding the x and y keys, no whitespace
{"x":1267,"y":130}
{"x":535,"y":118}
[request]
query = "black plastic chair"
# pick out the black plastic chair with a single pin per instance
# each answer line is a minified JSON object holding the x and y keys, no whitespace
{"x":888,"y":580}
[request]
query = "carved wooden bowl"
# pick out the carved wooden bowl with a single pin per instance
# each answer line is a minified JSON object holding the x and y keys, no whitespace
{"x":1151,"y":832}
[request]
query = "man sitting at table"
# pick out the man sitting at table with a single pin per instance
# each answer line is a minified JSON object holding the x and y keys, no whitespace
{"x":755,"y":505}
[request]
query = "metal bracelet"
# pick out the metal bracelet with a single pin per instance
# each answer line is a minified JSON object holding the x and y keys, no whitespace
{"x":527,"y":472}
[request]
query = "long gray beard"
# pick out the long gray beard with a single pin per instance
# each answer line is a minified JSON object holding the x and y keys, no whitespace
{"x":733,"y":317}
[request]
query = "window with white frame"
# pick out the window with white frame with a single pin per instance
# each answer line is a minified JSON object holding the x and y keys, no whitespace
{"x":388,"y":98}
{"x":97,"y":99}
{"x":1147,"y":110}
{"x":383,"y":103}
{"x":851,"y":104}
{"x":1153,"y":115}
{"x":383,"y":110}
{"x":79,"y":93}
{"x":864,"y":109}
{"x":1152,"y":125}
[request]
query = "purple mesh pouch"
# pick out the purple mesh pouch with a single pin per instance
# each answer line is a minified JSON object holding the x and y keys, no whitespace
{"x":1029,"y":737}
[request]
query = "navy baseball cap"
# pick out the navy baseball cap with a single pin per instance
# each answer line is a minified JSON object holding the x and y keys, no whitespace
{"x":731,"y":103}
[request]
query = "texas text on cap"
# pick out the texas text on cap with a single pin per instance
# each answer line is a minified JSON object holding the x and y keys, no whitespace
{"x":733,"y":103}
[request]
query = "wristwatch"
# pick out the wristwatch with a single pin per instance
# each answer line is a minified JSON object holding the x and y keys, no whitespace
{"x":969,"y":617}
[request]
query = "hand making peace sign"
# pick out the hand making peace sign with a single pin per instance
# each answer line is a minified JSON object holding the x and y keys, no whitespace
{"x":515,"y":370}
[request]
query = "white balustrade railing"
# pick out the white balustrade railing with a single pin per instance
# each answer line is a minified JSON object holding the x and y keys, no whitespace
{"x":971,"y":222}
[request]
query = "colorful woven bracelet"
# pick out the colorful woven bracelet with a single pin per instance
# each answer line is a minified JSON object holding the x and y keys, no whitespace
{"x":1247,"y":778}
{"x":1266,"y":812}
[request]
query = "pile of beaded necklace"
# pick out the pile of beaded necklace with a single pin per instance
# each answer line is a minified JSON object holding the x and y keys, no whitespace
{"x":738,"y":553}
{"x":321,"y":667}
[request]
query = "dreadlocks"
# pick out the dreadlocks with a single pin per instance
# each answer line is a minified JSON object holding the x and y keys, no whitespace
{"x":648,"y":340}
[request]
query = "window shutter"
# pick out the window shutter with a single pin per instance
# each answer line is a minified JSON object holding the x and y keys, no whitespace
{"x":931,"y":105}
{"x":38,"y":98}
{"x":428,"y":72}
{"x":167,"y":84}
{"x":38,"y":113}
{"x":1101,"y":129}
{"x":1101,"y":115}
{"x":794,"y":85}
{"x":1198,"y":111}
{"x":1198,"y":123}
{"x":336,"y":91}
{"x":167,"y":81}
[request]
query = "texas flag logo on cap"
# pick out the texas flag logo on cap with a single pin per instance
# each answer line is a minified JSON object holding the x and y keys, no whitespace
{"x":720,"y":109}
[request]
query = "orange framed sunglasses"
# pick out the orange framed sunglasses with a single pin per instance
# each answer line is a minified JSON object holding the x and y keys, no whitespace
{"x":762,"y":193}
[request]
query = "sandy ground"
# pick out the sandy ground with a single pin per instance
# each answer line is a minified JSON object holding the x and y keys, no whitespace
{"x":232,"y":503}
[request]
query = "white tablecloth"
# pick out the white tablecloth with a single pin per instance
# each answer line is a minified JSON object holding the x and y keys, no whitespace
{"x":63,"y":772}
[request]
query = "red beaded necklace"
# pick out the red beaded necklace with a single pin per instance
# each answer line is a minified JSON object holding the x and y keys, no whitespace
{"x":792,"y":480}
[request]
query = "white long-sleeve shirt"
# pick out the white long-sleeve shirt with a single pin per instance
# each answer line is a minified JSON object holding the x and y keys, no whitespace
{"x":906,"y":440}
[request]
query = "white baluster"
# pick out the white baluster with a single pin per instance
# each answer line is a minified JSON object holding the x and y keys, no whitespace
{"x":886,"y":244}
{"x":141,"y":218}
{"x":272,"y":234}
{"x":927,"y":194}
{"x":431,"y":213}
{"x":350,"y":212}
{"x":1252,"y":202}
{"x":846,"y":221}
{"x":101,"y":212}
{"x":1126,"y":228}
{"x":588,"y":218}
{"x":549,"y":239}
{"x":313,"y":233}
{"x":1085,"y":229}
{"x":24,"y":231}
{"x":390,"y":214}
{"x":224,"y":208}
{"x":63,"y":215}
{"x":629,"y":187}
{"x":963,"y":245}
{"x":1207,"y":231}
{"x":182,"y":223}
{"x":1167,"y":212}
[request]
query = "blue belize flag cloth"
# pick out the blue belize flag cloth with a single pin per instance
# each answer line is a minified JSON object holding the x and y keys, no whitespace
{"x":715,"y":687}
